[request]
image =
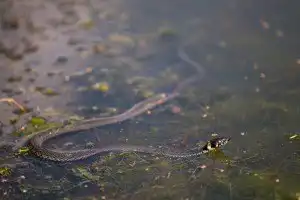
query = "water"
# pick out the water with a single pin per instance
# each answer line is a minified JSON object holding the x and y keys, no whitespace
{"x":250,"y":92}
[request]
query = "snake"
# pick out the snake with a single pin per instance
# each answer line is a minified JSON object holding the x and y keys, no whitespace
{"x":37,"y":140}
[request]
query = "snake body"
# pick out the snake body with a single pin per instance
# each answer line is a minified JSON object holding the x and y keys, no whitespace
{"x":37,"y":140}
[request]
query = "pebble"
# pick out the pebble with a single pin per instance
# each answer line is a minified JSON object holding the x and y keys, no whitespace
{"x":61,"y":60}
{"x":73,"y":41}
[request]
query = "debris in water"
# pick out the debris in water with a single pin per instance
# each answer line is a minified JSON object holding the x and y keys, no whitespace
{"x":12,"y":101}
{"x":102,"y":86}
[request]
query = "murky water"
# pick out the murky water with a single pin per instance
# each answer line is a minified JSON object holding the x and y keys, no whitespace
{"x":99,"y":58}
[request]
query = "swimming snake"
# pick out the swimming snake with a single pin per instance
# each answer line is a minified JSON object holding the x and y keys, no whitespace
{"x":37,"y":140}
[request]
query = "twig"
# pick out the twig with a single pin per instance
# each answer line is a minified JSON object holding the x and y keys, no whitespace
{"x":12,"y":101}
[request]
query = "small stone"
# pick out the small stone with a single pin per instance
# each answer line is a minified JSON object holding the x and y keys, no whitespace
{"x":31,"y":80}
{"x":14,"y":79}
{"x":28,"y":69}
{"x":50,"y":74}
{"x":61,"y":60}
{"x":7,"y":90}
{"x":10,"y":21}
{"x":73,"y":41}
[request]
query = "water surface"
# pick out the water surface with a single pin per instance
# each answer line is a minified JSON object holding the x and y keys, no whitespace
{"x":250,"y":92}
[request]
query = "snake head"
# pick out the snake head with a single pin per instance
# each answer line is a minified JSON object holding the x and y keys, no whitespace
{"x":215,"y":143}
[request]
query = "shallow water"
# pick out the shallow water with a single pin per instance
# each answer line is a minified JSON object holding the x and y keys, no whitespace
{"x":114,"y":54}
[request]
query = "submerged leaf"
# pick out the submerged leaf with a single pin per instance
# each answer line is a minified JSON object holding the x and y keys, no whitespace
{"x":23,"y":151}
{"x":5,"y":171}
{"x":37,"y":121}
{"x":102,"y":86}
{"x":295,"y":136}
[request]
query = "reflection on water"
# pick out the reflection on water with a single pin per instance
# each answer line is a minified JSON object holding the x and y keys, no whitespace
{"x":128,"y":52}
